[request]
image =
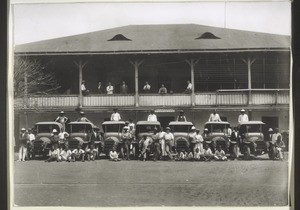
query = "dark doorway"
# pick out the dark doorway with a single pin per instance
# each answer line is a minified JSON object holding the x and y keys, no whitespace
{"x":271,"y":122}
{"x":164,"y":121}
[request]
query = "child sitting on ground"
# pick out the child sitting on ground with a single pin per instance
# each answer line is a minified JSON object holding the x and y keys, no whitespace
{"x":65,"y":154}
{"x":181,"y":155}
{"x":208,"y":155}
{"x":78,"y":154}
{"x":220,"y":154}
{"x":190,"y":156}
{"x":114,"y":155}
{"x":53,"y":154}
{"x":91,"y":152}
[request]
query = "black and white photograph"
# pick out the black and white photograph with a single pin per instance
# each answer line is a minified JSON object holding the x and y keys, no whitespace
{"x":150,"y":104}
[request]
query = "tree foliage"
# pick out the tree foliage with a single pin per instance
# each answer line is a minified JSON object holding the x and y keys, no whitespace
{"x":38,"y":81}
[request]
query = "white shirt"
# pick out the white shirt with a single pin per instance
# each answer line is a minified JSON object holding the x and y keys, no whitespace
{"x":65,"y":153}
{"x":113,"y":155}
{"x":243,"y":118}
{"x":214,"y":117}
{"x":199,"y":138}
{"x":220,"y":153}
{"x":78,"y":151}
{"x":168,"y":137}
{"x":275,"y":137}
{"x":152,"y":117}
{"x":31,"y":137}
{"x":83,"y":88}
{"x":147,"y":87}
{"x":63,"y":135}
{"x":110,"y":89}
{"x":208,"y":152}
{"x":189,"y":87}
{"x":115,"y":117}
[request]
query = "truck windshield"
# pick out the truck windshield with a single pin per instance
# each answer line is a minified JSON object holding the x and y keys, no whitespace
{"x":46,"y":128}
{"x":254,"y":128}
{"x":147,"y":128}
{"x":80,"y":128}
{"x":217,"y":128}
{"x":181,"y":128}
{"x":113,"y":128}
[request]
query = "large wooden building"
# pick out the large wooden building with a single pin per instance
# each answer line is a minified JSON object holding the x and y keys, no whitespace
{"x":229,"y":70}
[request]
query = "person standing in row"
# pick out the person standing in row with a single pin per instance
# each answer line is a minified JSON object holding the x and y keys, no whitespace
{"x":24,"y":140}
{"x":100,"y":88}
{"x":110,"y":89}
{"x":82,"y":118}
{"x":123,"y":88}
{"x":152,"y":116}
{"x":162,"y":89}
{"x":214,"y":117}
{"x":147,"y":87}
{"x":84,"y":91}
{"x":30,"y":144}
{"x":115,"y":116}
{"x":156,"y":144}
{"x":243,"y":117}
{"x":169,"y":138}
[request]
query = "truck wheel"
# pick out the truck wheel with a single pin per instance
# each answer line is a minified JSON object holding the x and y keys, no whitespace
{"x":234,"y":152}
{"x":246,"y":152}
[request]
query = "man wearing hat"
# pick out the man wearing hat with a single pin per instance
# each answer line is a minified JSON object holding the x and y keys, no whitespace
{"x":214,"y":117}
{"x":269,"y":139}
{"x":199,"y":142}
{"x":126,"y":137}
{"x":181,"y":116}
{"x":82,"y":118}
{"x":115,"y":116}
{"x":192,"y":139}
{"x":24,"y":140}
{"x":30,"y":144}
{"x":243,"y":117}
{"x":152,"y":116}
{"x":169,"y":138}
{"x":62,"y":119}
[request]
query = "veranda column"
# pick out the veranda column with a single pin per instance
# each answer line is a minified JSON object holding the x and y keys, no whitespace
{"x":192,"y":64}
{"x":80,"y":65}
{"x":136,"y":65}
{"x":249,"y":62}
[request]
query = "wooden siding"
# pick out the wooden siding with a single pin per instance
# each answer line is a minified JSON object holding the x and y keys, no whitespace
{"x":165,"y":100}
{"x":108,"y":100}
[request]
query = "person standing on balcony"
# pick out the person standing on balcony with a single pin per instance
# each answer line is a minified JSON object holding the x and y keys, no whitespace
{"x":115,"y":116}
{"x":109,"y":89}
{"x":100,"y":88}
{"x":82,"y":118}
{"x":124,"y":88}
{"x":147,"y":87}
{"x":189,"y":87}
{"x":152,"y":116}
{"x":162,"y":89}
{"x":62,"y":119}
{"x":243,"y":117}
{"x":24,"y":140}
{"x":84,"y":91}
{"x":214,"y":117}
{"x":181,"y":116}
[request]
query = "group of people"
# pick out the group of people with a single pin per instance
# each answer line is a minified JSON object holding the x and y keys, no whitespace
{"x":109,"y":89}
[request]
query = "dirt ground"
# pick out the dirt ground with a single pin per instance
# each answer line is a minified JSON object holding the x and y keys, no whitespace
{"x":104,"y":183}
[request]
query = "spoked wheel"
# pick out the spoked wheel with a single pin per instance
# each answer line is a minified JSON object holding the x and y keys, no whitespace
{"x":246,"y":152}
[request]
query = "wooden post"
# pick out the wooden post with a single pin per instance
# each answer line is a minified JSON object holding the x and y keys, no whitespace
{"x":80,"y":67}
{"x":249,"y":62}
{"x":25,"y":89}
{"x":192,"y":64}
{"x":136,"y":65}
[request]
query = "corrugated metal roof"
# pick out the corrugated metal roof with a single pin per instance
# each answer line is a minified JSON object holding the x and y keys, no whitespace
{"x":153,"y":38}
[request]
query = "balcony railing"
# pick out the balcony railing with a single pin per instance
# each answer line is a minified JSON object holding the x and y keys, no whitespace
{"x":219,"y":98}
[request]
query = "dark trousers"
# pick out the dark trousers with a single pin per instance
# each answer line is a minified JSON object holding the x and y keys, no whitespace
{"x":156,"y":150}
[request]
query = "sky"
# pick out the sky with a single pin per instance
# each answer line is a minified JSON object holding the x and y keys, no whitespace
{"x":35,"y":22}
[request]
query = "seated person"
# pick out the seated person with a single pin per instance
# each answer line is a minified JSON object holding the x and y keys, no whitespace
{"x":208,"y":155}
{"x":113,"y":155}
{"x":220,"y":154}
{"x":53,"y":154}
{"x":78,"y":154}
{"x":197,"y":154}
{"x":65,"y":154}
{"x":190,"y":156}
{"x":91,"y":152}
{"x":181,"y":155}
{"x":279,"y":146}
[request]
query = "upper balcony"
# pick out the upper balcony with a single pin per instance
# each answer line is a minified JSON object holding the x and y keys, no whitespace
{"x":219,"y":98}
